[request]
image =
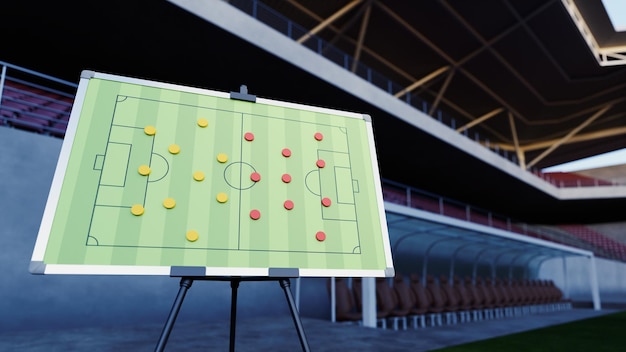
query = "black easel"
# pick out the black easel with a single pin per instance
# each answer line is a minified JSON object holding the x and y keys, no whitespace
{"x":185,"y":284}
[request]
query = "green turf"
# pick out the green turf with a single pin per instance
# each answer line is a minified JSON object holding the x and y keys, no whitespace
{"x":605,"y":333}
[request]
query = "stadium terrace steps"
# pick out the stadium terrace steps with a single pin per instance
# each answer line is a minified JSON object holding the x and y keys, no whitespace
{"x":613,"y":247}
{"x":34,"y":109}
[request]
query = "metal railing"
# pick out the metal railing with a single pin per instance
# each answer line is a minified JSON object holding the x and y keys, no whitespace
{"x":397,"y":193}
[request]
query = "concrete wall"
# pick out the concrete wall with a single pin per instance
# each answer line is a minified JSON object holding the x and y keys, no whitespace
{"x":576,"y":285}
{"x":27,"y":164}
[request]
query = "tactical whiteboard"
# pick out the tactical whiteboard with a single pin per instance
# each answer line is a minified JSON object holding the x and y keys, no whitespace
{"x":161,"y":179}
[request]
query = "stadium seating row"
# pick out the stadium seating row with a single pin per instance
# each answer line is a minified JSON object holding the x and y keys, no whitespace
{"x":34,"y":109}
{"x":617,"y":249}
{"x":431,"y":302}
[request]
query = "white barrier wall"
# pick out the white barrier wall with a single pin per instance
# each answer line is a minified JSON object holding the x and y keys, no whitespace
{"x":573,"y":278}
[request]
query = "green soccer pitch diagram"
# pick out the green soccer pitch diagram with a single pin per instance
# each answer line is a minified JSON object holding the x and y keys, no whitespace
{"x":157,"y":179}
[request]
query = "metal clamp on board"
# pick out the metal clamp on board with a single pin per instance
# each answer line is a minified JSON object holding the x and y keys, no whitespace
{"x":243,"y":94}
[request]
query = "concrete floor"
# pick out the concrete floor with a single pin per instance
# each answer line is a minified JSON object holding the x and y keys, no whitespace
{"x":277,"y":334}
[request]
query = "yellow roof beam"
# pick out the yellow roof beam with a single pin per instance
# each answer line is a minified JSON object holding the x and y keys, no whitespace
{"x":568,"y":136}
{"x":421,"y":81}
{"x":329,"y":20}
{"x":480,"y":119}
{"x":520,"y":154}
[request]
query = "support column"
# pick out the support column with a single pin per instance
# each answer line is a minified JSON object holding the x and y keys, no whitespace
{"x":333,"y":299}
{"x":368,"y":287}
{"x":566,"y":292}
{"x":593,"y":281}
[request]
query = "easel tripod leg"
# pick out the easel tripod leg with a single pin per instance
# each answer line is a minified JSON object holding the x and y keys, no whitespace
{"x":234,"y":284}
{"x":185,"y":284}
{"x":284,"y":283}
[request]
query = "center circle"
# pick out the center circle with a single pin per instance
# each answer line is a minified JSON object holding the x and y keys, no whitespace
{"x":237,"y":175}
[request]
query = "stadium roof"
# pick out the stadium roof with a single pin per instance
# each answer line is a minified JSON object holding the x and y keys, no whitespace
{"x":525,"y":75}
{"x":517,"y":73}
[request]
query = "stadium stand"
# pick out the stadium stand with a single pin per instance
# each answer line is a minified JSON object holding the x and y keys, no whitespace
{"x":29,"y":104}
{"x":30,"y":101}
{"x":34,"y":108}
{"x":615,"y":248}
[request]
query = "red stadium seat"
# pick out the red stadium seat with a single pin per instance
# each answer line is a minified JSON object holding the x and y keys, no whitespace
{"x":452,"y":300}
{"x":346,"y":309}
{"x":465,"y":299}
{"x":437,"y":296}
{"x":489,"y":301}
{"x":395,"y":309}
{"x":477,"y":298}
{"x":423,"y":302}
{"x":408,"y":299}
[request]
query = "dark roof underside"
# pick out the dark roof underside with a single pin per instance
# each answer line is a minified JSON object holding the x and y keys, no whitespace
{"x":525,"y":57}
